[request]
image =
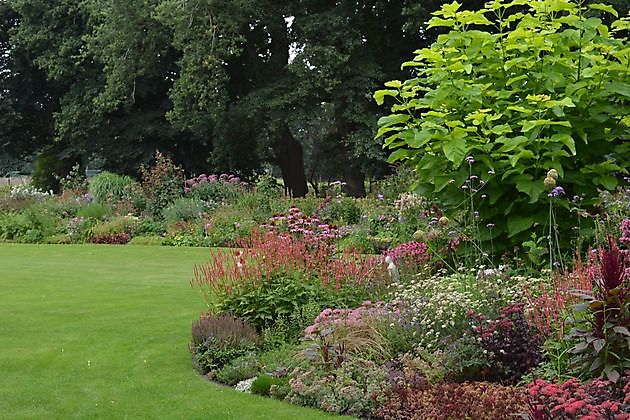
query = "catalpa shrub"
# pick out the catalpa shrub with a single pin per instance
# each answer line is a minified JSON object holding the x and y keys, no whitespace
{"x":520,"y":87}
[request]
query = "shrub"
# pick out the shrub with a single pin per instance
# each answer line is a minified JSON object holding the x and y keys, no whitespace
{"x":184,"y":209}
{"x":162,"y":183}
{"x":32,"y":225}
{"x":514,"y":349}
{"x":341,"y":211}
{"x":522,"y":99}
{"x":353,"y":389}
{"x":598,"y":399}
{"x":149,"y":227}
{"x":120,"y":224}
{"x":469,"y":400}
{"x":274,"y":275}
{"x":217,"y":340}
{"x":94,"y":211}
{"x":263,"y":383}
{"x":45,"y":173}
{"x":112,"y":238}
{"x":214,"y":188}
{"x":108,"y":187}
{"x":239,"y":369}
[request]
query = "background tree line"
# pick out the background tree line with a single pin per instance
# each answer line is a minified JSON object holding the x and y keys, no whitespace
{"x":220,"y":85}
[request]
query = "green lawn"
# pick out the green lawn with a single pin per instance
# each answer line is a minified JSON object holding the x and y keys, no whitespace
{"x":102,"y":331}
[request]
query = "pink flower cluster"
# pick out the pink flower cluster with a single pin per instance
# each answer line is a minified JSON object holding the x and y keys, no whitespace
{"x":195,"y":182}
{"x":265,"y":254}
{"x":409,"y":256}
{"x":329,"y":318}
{"x":625,"y":231}
{"x":598,"y":399}
{"x":296,"y":222}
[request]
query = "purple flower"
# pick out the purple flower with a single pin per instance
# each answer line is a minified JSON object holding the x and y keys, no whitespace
{"x":470,"y":159}
{"x":557,"y":192}
{"x":380,"y":196}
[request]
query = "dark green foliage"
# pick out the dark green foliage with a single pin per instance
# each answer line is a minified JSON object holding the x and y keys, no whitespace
{"x":285,"y":297}
{"x":45,"y":172}
{"x":149,"y":227}
{"x":32,"y":225}
{"x":341,"y":211}
{"x":263,"y":383}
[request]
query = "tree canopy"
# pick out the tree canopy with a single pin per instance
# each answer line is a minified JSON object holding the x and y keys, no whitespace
{"x":225,"y":85}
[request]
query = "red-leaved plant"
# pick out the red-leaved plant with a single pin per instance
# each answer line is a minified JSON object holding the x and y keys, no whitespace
{"x":601,"y":336}
{"x":594,"y":400}
{"x":548,"y":309}
{"x":265,"y":256}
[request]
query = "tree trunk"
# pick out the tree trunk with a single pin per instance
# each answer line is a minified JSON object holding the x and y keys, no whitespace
{"x":354,"y":178}
{"x":289,"y":156}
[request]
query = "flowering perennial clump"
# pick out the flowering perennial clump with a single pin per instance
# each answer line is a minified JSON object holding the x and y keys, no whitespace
{"x":195,"y":182}
{"x":331,"y":318}
{"x":266,"y":254}
{"x":439,"y":304}
{"x":409,"y":257}
{"x":299,"y":224}
{"x":22,"y":192}
{"x":548,"y":307}
{"x":598,"y":399}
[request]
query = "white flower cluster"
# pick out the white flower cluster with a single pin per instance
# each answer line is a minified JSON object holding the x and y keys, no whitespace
{"x":408,"y":201}
{"x":21,"y":192}
{"x":439,"y":304}
{"x":245,"y":386}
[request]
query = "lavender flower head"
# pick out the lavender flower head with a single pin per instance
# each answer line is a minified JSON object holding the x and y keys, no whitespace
{"x":557,"y":192}
{"x":470,"y":159}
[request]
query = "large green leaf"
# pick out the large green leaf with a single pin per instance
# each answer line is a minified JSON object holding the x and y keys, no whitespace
{"x":523,"y":154}
{"x":517,"y":224}
{"x":417,"y":138}
{"x":533,"y":188}
{"x":393,"y":119}
{"x":607,"y":181}
{"x":454,"y":146}
{"x":400,"y":154}
{"x":379,"y":95}
{"x":567,"y":140}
